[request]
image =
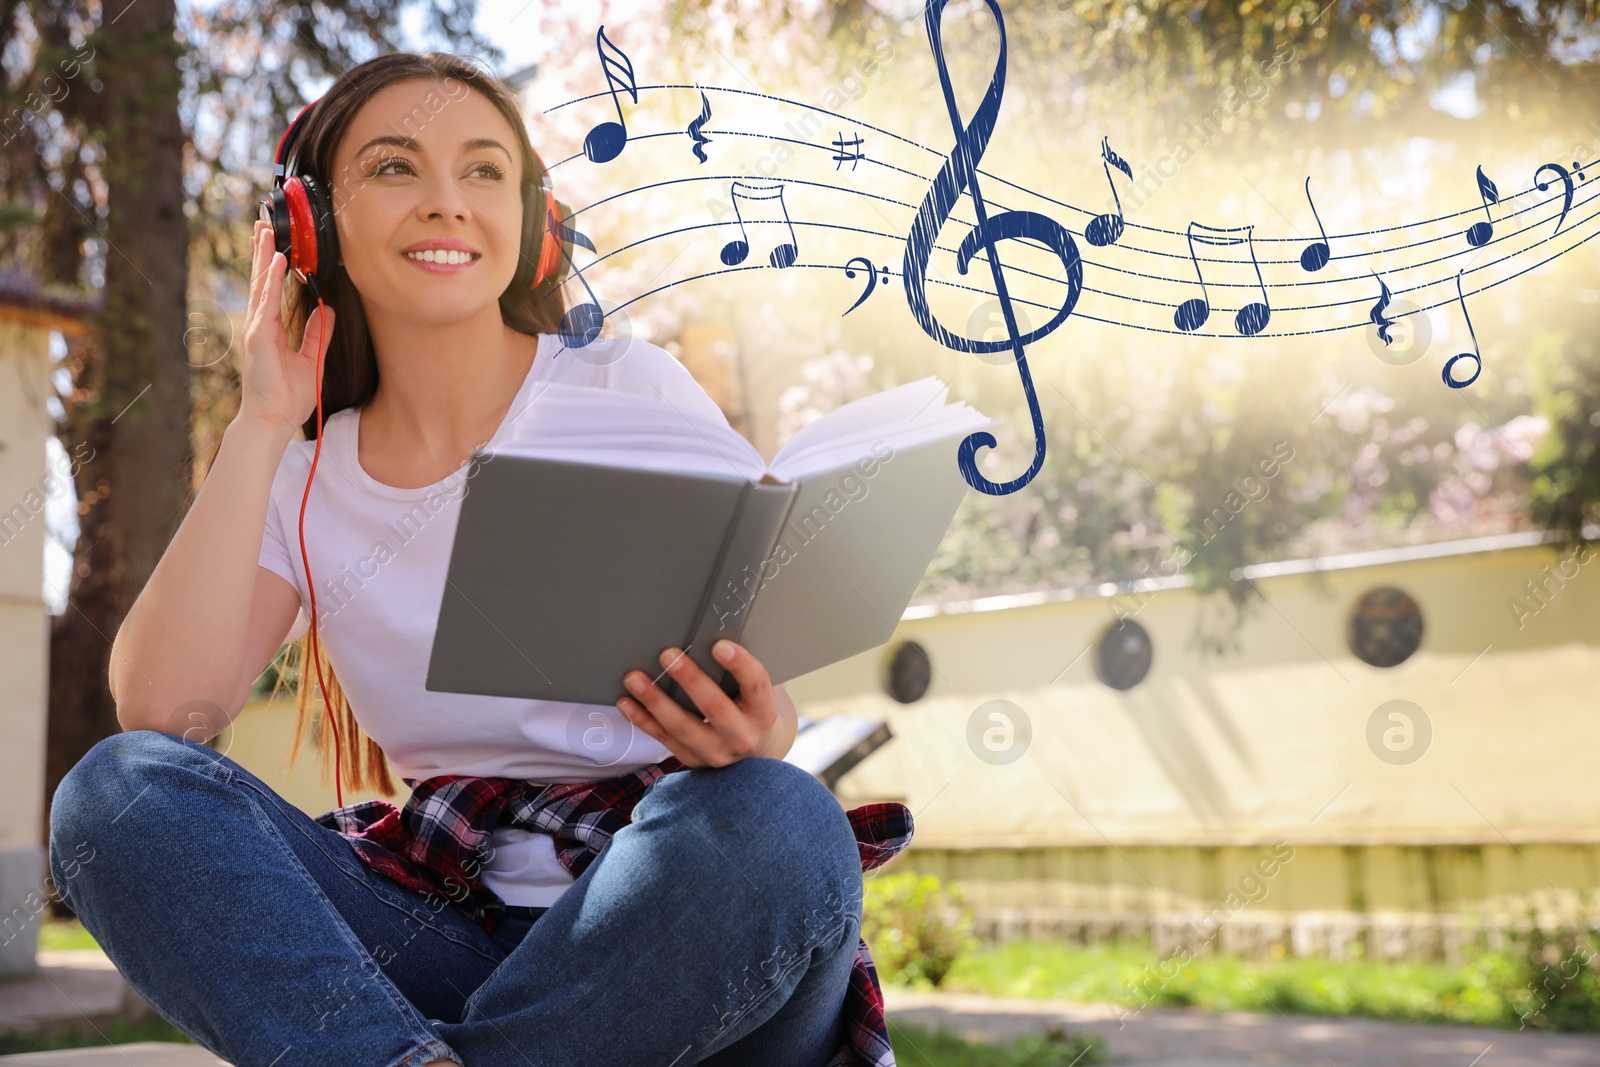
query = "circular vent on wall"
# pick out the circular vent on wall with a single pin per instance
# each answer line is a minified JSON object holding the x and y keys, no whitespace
{"x":907,"y":672}
{"x":1123,"y":655}
{"x":1385,"y":627}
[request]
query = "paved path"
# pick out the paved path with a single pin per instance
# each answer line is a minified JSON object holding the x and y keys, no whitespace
{"x":70,"y":984}
{"x":74,"y":983}
{"x":1191,"y":1037}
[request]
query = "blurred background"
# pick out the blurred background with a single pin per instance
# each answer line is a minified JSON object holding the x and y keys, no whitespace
{"x":1288,"y":590}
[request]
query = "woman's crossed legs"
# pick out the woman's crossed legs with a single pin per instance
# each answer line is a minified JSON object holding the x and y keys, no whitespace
{"x":719,"y":927}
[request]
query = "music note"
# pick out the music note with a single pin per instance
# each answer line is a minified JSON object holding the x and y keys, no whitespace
{"x":1192,"y":314}
{"x":607,"y":140}
{"x":582,"y":322}
{"x":872,"y":279}
{"x":1478,"y":233}
{"x":700,"y":139}
{"x":1315,"y":255}
{"x":1105,"y":229}
{"x":1379,"y":319}
{"x":960,"y":174}
{"x":845,"y":155}
{"x":1566,"y":189}
{"x":1474,"y":355}
{"x":734,"y":252}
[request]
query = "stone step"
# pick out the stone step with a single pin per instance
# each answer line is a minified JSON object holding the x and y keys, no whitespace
{"x":140,"y":1054}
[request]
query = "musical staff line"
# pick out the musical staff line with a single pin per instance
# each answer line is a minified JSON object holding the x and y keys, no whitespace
{"x":1358,"y":258}
{"x":1360,"y":300}
{"x":1474,"y":210}
{"x":1080,"y":313}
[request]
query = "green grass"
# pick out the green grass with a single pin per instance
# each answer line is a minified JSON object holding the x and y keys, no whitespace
{"x":1131,"y":975}
{"x":917,"y":1047}
{"x":65,"y":933}
{"x":82,"y":1035}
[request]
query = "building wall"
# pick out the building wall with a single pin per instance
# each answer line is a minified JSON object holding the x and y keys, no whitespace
{"x":24,"y":637}
{"x":1127,"y":807}
{"x":1146,"y":799}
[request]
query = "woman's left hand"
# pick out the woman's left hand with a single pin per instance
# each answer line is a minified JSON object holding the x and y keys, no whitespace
{"x":760,"y":723}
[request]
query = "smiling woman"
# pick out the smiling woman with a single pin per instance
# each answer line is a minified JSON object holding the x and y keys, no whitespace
{"x":438,"y":301}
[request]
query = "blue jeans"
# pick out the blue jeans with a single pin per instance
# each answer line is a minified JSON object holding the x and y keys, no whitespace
{"x":261,"y":935}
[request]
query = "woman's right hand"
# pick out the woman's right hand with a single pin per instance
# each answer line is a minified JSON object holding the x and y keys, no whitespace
{"x":278,"y":384}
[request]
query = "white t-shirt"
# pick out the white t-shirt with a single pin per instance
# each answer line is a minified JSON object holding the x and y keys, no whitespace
{"x":380,"y":555}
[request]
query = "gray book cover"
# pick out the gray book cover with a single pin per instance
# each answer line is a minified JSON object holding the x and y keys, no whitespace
{"x":565,"y":575}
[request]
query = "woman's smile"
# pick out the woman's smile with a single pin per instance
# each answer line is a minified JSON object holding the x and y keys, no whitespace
{"x":442,"y":257}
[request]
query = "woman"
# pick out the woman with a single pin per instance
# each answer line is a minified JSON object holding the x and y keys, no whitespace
{"x":269,"y":936}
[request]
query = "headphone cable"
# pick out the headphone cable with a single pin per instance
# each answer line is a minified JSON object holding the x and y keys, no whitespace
{"x":305,"y":559}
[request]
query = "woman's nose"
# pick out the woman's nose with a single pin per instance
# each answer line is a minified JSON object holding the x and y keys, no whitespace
{"x":443,"y":198}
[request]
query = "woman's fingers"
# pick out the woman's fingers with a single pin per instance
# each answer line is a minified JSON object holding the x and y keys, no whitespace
{"x":706,"y":694}
{"x":755,"y":685}
{"x":687,"y":729}
{"x":646,"y":721}
{"x":318,"y":324}
{"x":258,"y":273}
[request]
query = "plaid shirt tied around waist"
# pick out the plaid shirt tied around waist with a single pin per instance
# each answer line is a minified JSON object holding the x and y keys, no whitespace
{"x":436,"y":842}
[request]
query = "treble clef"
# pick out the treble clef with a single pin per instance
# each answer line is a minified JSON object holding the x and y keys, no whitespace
{"x":960,"y":174}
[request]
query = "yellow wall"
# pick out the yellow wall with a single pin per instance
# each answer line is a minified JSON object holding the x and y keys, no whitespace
{"x":1161,"y":797}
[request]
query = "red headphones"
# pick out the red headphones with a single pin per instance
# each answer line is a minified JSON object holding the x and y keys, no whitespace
{"x":300,"y":210}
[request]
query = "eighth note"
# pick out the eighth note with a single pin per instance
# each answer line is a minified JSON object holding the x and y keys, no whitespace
{"x":845,"y":155}
{"x":1474,"y":355}
{"x":1478,"y":233}
{"x":581,"y":323}
{"x":607,"y":140}
{"x":1315,"y":255}
{"x":1192,"y":314}
{"x":735,"y":251}
{"x":1105,"y":229}
{"x":872,"y":279}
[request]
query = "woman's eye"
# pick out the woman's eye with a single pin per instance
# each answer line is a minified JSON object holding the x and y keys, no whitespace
{"x":387,"y":163}
{"x":494,"y":171}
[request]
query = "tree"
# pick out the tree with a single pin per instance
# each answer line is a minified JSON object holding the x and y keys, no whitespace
{"x":137,"y":179}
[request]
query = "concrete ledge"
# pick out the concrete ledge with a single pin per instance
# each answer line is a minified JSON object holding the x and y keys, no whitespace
{"x":141,"y":1054}
{"x":22,"y":872}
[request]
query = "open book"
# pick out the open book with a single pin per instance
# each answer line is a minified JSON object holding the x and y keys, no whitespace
{"x":606,"y":526}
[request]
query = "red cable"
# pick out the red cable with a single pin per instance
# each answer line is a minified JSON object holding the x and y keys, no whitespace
{"x":327,"y":704}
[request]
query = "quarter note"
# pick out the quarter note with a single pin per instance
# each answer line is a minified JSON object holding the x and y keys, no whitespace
{"x":872,"y":279}
{"x":734,"y":252}
{"x":1192,"y":314}
{"x":607,"y":140}
{"x":1566,"y":189}
{"x":1315,"y":255}
{"x":1478,"y":233}
{"x":1474,"y":355}
{"x":1105,"y":229}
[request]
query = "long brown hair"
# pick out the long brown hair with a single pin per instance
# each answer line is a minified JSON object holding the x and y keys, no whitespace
{"x":350,"y":368}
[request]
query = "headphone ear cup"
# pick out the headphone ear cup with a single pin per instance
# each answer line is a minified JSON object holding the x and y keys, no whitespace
{"x":529,"y":252}
{"x":324,"y":233}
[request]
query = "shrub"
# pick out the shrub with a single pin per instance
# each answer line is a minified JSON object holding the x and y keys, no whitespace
{"x":916,"y":927}
{"x":1557,"y":983}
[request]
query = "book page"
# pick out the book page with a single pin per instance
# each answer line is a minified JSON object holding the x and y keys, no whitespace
{"x":587,"y":424}
{"x":902,"y":417}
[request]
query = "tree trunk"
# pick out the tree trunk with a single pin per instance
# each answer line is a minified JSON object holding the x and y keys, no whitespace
{"x":137,"y":484}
